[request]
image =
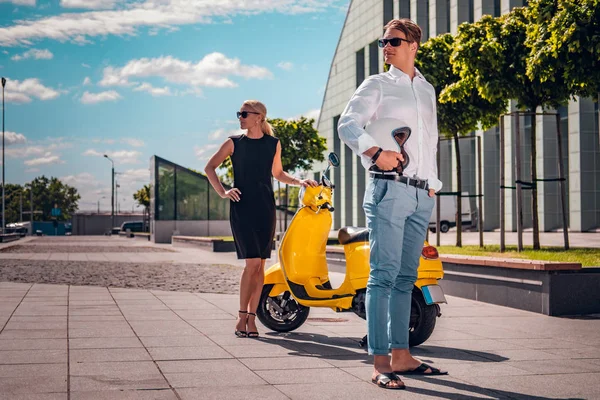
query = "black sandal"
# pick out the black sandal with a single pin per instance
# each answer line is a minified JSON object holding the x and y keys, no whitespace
{"x":420,"y":370}
{"x":383,"y":381}
{"x":252,"y":334}
{"x":241,"y":334}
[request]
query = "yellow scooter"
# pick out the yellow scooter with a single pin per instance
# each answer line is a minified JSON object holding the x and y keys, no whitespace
{"x":301,"y":279}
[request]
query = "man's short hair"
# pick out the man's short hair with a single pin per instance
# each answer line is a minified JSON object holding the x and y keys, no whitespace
{"x":411,"y":30}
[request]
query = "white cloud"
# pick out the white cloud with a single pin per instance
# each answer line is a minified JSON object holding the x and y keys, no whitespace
{"x":89,"y":4}
{"x":119,"y":157}
{"x":154,"y":91}
{"x":84,"y":179}
{"x":36,"y":148}
{"x":32,"y":170}
{"x":214,"y":70}
{"x":286,"y":65}
{"x":133,"y":142}
{"x":223,"y":133}
{"x":47,"y":159}
{"x":93,"y":98}
{"x":79,"y":27}
{"x":205,"y":152}
{"x":106,"y":141}
{"x":87,"y":81}
{"x":20,"y":2}
{"x":84,"y":65}
{"x":24,"y":91}
{"x":12,"y":138}
{"x":34,"y":53}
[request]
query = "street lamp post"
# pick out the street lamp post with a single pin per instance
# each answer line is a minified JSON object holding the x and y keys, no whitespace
{"x":112,"y":193}
{"x":3,"y":163}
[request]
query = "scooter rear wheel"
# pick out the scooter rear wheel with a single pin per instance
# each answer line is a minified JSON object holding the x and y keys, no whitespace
{"x":279,"y":314}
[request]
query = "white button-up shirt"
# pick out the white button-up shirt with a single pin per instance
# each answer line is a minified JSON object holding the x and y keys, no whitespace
{"x":392,"y":94}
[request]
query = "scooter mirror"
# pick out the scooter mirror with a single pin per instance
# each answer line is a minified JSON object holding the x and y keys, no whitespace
{"x":334,"y":160}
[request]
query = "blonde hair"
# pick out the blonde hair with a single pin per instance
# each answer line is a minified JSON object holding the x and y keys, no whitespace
{"x":259,"y":107}
{"x":411,"y":30}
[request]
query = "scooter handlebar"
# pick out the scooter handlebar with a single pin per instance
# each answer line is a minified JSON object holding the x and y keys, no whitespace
{"x":329,"y":207}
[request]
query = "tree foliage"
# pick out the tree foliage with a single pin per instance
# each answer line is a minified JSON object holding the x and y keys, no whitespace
{"x":564,"y":37}
{"x":47,"y":192}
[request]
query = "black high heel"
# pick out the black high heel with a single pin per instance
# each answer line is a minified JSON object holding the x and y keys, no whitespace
{"x":241,"y":334}
{"x":252,"y":334}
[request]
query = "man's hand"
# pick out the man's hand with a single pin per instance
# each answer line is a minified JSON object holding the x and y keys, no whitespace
{"x":431,"y":193}
{"x":388,"y":160}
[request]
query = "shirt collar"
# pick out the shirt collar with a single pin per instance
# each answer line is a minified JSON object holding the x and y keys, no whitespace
{"x":398,"y":74}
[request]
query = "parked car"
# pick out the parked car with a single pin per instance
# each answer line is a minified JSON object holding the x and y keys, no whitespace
{"x":133,"y":226}
{"x":448,"y":213}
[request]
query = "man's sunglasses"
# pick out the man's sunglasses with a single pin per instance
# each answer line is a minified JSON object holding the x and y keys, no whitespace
{"x":394,"y":42}
{"x":244,"y":114}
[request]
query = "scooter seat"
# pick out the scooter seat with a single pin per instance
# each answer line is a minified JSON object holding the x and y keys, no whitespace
{"x":352,"y":234}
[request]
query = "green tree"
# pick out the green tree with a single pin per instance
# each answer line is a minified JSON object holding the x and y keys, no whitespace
{"x":46,"y":193}
{"x":565,"y":44}
{"x":142,"y":196}
{"x":491,"y":56}
{"x":456,"y":115}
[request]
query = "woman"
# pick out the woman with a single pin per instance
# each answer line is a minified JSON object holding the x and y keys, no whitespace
{"x":256,"y":158}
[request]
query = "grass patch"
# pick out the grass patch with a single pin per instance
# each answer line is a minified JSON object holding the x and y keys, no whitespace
{"x":588,"y":257}
{"x":225,"y":238}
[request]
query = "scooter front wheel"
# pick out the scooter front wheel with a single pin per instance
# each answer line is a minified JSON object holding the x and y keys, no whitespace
{"x":281,"y":313}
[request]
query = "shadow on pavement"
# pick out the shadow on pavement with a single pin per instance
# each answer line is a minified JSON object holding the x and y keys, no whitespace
{"x":336,"y":348}
{"x":501,"y":394}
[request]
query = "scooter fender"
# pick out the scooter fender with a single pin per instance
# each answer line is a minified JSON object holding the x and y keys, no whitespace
{"x":432,"y":292}
{"x":274,"y":276}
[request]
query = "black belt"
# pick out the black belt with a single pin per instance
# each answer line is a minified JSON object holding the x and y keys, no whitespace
{"x":419,"y":184}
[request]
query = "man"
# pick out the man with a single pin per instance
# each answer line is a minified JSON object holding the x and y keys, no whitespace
{"x":400,"y":196}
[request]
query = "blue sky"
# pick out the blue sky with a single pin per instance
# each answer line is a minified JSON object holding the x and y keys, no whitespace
{"x":134,"y":78}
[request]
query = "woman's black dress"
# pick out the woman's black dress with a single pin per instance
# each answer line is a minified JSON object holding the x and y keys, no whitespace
{"x":253,"y":217}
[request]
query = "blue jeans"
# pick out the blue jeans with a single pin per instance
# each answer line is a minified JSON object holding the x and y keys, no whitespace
{"x":397,"y":217}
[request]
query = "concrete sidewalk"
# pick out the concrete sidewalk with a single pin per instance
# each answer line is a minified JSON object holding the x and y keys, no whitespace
{"x":73,"y":342}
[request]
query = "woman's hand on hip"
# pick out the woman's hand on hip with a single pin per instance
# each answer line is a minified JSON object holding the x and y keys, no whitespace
{"x":431,"y":193}
{"x":232,"y":194}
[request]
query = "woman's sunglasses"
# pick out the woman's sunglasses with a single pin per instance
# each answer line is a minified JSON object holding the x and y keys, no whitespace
{"x":394,"y":42}
{"x":244,"y":114}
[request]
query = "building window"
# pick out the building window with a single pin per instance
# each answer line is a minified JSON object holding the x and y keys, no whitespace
{"x":404,"y":7}
{"x":373,"y":58}
{"x":448,"y":15}
{"x":337,"y":177}
{"x":423,"y":18}
{"x":388,"y":11}
{"x":497,"y":8}
{"x":471,"y":11}
{"x":360,"y":67}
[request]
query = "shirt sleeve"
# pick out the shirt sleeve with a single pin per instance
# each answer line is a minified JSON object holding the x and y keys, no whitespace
{"x":432,"y":179}
{"x":358,"y":112}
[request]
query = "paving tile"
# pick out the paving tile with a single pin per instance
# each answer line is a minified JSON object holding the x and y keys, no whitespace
{"x":162,"y":394}
{"x":176,"y":341}
{"x":284,"y":363}
{"x":104,"y":343}
{"x":226,"y":392}
{"x":116,"y":376}
{"x":213,"y":366}
{"x":188,"y":353}
{"x":340,"y":390}
{"x":162,"y":328}
{"x":547,"y":367}
{"x":200,"y":379}
{"x":101,"y":355}
{"x":101,"y":332}
{"x":33,"y":356}
{"x":33,"y":396}
{"x":41,"y":325}
{"x":33,"y":384}
{"x":33,"y":334}
{"x":262,"y":350}
{"x":314,"y":375}
{"x":16,"y":370}
{"x":33,"y":344}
